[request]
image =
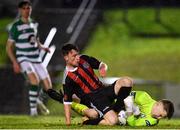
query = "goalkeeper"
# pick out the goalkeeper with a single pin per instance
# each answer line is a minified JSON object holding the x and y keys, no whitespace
{"x":140,"y":110}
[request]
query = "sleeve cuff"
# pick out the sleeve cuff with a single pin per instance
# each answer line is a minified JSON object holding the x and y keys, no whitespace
{"x":11,"y":40}
{"x":67,"y":103}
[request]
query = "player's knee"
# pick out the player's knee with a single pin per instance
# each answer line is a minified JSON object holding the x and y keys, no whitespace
{"x":91,"y":113}
{"x":34,"y":82}
{"x":113,"y":120}
{"x":125,"y":82}
{"x":33,"y":79}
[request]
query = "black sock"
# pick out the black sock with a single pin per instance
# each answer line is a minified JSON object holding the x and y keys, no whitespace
{"x":55,"y":95}
{"x":123,"y":93}
{"x":92,"y":121}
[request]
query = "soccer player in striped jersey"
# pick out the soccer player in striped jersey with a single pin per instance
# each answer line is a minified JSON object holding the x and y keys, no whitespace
{"x":80,"y":79}
{"x":23,"y":37}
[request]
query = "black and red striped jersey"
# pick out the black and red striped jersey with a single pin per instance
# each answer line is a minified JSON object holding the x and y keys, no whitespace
{"x":81,"y":80}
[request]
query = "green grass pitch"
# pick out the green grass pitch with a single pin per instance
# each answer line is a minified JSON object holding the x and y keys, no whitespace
{"x":57,"y":122}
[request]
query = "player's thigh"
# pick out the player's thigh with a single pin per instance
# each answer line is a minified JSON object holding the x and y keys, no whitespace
{"x":123,"y":82}
{"x":41,"y":71}
{"x":30,"y":72}
{"x":43,"y":75}
{"x":91,"y":113}
{"x":111,"y":118}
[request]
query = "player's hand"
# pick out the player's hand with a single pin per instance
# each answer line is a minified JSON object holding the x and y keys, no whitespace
{"x":103,"y":70}
{"x":16,"y":67}
{"x":46,"y":49}
{"x":129,"y":102}
{"x":136,"y":110}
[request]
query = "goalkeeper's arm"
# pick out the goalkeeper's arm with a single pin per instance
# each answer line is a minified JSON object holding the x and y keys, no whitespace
{"x":141,"y":121}
{"x":131,"y":107}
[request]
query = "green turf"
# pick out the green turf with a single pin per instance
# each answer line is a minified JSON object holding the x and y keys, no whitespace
{"x":126,"y":53}
{"x":57,"y":122}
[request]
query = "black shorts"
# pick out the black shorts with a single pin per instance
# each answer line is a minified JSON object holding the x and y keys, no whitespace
{"x":102,"y":99}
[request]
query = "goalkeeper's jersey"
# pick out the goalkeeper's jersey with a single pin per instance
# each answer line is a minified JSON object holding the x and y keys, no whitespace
{"x":145,"y":103}
{"x":20,"y":34}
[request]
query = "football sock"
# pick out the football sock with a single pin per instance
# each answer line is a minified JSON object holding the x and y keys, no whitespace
{"x":55,"y":95}
{"x":79,"y":108}
{"x":123,"y":93}
{"x":33,"y":94}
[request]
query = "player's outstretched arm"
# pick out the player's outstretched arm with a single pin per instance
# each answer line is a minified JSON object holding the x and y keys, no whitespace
{"x":141,"y":121}
{"x":46,"y":49}
{"x":67,"y":111}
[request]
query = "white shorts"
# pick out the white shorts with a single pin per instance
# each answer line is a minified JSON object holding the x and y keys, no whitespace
{"x":36,"y":68}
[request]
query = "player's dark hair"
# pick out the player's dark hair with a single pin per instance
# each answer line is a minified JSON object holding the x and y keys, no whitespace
{"x":67,"y":48}
{"x":23,"y":3}
{"x":168,"y":107}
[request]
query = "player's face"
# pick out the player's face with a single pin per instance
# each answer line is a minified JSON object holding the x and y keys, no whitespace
{"x":25,"y":11}
{"x":72,"y":59}
{"x":158,"y":111}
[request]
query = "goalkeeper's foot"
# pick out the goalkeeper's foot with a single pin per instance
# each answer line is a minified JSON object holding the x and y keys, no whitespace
{"x":42,"y":109}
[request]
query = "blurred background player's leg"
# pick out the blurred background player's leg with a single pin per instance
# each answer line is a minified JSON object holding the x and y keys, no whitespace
{"x":41,"y":101}
{"x":33,"y":94}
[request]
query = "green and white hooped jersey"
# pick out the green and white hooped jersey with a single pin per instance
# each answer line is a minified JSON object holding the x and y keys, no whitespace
{"x":24,"y":36}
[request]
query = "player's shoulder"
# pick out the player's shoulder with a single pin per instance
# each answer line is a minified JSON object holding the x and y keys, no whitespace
{"x":139,"y":93}
{"x":67,"y":74}
{"x":13,"y":25}
{"x":17,"y":21}
{"x":85,"y":57}
{"x":64,"y":76}
{"x":33,"y":21}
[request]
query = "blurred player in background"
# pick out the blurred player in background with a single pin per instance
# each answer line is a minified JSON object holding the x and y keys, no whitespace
{"x":139,"y":110}
{"x":23,"y":37}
